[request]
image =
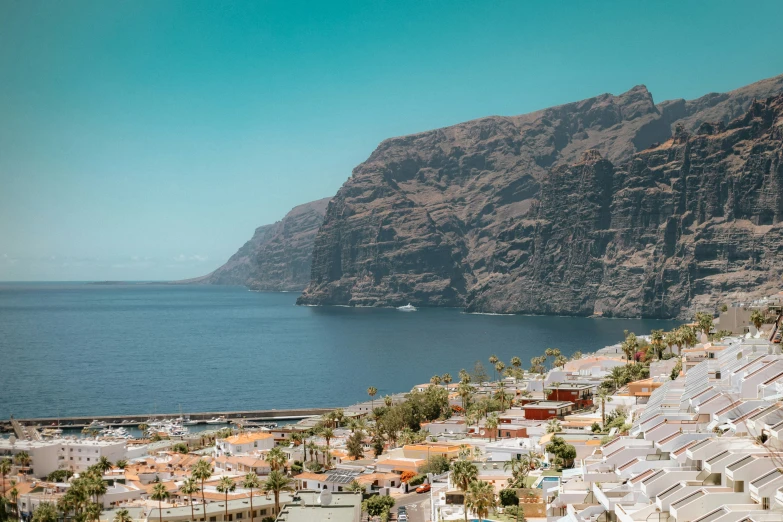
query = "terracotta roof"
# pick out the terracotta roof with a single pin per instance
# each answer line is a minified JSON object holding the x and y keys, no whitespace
{"x":245,"y":438}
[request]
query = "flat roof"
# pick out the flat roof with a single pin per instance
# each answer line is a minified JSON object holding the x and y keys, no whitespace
{"x":547,"y":404}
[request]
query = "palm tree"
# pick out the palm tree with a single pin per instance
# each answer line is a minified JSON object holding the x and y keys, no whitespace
{"x":629,"y":346}
{"x":492,"y":425}
{"x":121,"y":464}
{"x":251,"y":482}
{"x":493,"y":360}
{"x":446,"y":378}
{"x":480,"y":498}
{"x":95,"y":485}
{"x":190,"y":487}
{"x":22,"y":459}
{"x":327,"y":434}
{"x":371,"y":391}
{"x":435,"y":380}
{"x":656,"y":339}
{"x":670,"y":339}
{"x":387,"y":400}
{"x":5,"y":469}
{"x":45,"y":512}
{"x":277,"y":482}
{"x":104,"y":464}
{"x":160,"y":494}
{"x":355,"y":487}
{"x":757,"y":318}
{"x":143,"y":427}
{"x":556,"y":386}
{"x":463,"y":472}
{"x":226,"y":485}
{"x":277,"y":459}
{"x":499,"y":367}
{"x":553,"y":426}
{"x":604,"y":397}
{"x":464,"y":390}
{"x":122,"y":515}
{"x":93,"y":511}
{"x":201,"y":471}
{"x":617,"y":374}
{"x":686,"y":335}
{"x":464,"y":376}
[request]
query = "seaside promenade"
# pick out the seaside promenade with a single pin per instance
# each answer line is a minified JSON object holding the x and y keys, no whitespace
{"x":201,"y":417}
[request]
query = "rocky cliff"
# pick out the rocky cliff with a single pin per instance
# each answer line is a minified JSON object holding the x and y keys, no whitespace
{"x":612,"y":205}
{"x":278,"y":256}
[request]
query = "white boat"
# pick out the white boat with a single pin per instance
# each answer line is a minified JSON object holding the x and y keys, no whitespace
{"x":407,"y":308}
{"x":97,"y":424}
{"x":190,"y":422}
{"x":218,"y":420}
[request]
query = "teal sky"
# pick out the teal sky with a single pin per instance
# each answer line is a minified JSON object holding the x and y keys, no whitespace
{"x":145,"y":140}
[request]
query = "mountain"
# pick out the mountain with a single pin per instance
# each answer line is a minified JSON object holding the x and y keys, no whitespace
{"x":612,"y":205}
{"x":277,"y":257}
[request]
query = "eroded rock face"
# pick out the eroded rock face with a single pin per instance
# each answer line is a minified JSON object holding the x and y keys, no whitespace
{"x":278,"y":256}
{"x":591,"y":207}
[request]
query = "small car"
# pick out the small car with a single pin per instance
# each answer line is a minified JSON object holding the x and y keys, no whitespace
{"x":423,"y":488}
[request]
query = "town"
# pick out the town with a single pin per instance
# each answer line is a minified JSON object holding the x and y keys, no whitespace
{"x":679,"y":426}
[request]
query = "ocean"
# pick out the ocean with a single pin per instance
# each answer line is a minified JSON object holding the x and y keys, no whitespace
{"x":70,"y":349}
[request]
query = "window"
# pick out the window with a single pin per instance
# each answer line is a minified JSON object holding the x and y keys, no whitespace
{"x":212,"y":519}
{"x":239,"y":516}
{"x":263,"y":511}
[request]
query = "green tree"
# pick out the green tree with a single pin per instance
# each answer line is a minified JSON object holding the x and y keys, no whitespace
{"x":479,"y":373}
{"x":160,"y":494}
{"x":564,"y":451}
{"x":509,"y":497}
{"x":435,"y":380}
{"x":251,"y":482}
{"x":225,"y":485}
{"x":676,"y":370}
{"x":757,"y":318}
{"x":93,"y":511}
{"x":465,"y":390}
{"x":354,"y":445}
{"x":121,"y":464}
{"x":202,"y":471}
{"x":122,"y":515}
{"x":463,"y":472}
{"x":45,"y":512}
{"x":446,"y":378}
{"x":277,"y":482}
{"x":656,"y":340}
{"x":378,"y":506}
{"x":480,"y":498}
{"x":190,"y":487}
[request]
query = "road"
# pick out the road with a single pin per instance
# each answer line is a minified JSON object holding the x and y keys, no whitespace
{"x":418,"y":504}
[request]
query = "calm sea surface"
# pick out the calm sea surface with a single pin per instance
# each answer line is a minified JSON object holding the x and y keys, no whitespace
{"x":78,"y":349}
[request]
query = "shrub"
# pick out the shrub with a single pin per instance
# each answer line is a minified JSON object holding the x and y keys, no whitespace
{"x":509,"y":497}
{"x":416,"y":480}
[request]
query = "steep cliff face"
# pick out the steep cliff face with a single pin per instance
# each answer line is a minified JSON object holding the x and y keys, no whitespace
{"x":514,"y":215}
{"x":278,"y":256}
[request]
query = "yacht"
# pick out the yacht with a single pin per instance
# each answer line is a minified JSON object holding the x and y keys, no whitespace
{"x":407,"y":308}
{"x":97,"y":424}
{"x":218,"y":420}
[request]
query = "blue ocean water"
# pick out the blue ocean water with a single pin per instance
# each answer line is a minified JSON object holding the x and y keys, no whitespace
{"x":80,"y":349}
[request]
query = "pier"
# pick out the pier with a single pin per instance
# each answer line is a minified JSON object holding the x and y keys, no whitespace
{"x":251,"y":416}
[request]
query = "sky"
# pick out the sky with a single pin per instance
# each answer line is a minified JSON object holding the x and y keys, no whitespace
{"x":145,"y":140}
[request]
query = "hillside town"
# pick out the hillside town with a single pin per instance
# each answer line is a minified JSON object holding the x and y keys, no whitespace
{"x":680,"y":426}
